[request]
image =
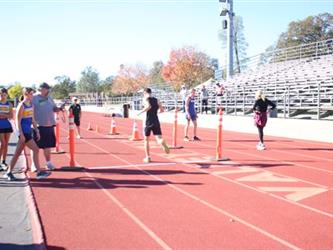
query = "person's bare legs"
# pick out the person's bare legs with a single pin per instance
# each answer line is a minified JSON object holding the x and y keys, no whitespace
{"x":5,"y":149}
{"x":146,"y":146}
{"x":186,"y":128}
{"x":2,"y":147}
{"x":195,"y":124}
{"x":47,"y":154}
{"x":35,"y":153}
{"x":163,"y":144}
{"x":19,"y":147}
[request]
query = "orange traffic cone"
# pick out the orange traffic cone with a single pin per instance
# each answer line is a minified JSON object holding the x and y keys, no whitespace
{"x":113,"y":130}
{"x":97,"y":129}
{"x":89,"y":126}
{"x":135,"y":132}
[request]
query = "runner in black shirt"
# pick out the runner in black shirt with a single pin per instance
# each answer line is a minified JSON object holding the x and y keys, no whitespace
{"x":152,"y":105}
{"x":260,"y":115}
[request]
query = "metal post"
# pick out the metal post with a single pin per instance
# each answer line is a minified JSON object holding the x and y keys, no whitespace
{"x":288,"y":101}
{"x":243,"y":100}
{"x":231,"y":41}
{"x":318,"y":104}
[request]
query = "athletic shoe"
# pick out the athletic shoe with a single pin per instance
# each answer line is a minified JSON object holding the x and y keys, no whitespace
{"x":50,"y":166}
{"x":10,"y":176}
{"x":42,"y":174}
{"x":33,"y":168}
{"x":3,"y":166}
{"x":146,"y":160}
{"x":260,"y":146}
{"x":78,"y":137}
{"x":186,"y":138}
{"x":165,"y":147}
{"x":195,"y":138}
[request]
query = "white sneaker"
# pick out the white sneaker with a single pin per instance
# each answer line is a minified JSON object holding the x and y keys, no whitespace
{"x":50,"y":166}
{"x":146,"y":160}
{"x":261,"y":146}
{"x":33,"y":168}
{"x":78,"y":137}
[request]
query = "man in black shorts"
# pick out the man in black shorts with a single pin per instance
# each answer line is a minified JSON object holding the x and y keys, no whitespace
{"x":151,"y":106}
{"x":76,"y":109}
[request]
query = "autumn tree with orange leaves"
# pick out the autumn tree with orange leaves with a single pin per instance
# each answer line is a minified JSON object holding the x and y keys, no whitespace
{"x":187,"y":66}
{"x":130,"y":79}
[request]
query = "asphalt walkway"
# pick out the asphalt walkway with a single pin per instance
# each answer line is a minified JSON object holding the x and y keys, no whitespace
{"x":17,"y":213}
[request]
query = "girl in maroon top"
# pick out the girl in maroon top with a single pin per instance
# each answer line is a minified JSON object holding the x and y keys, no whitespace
{"x":260,"y":115}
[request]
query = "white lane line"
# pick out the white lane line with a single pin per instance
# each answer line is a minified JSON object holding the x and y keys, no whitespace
{"x":134,"y":165}
{"x":230,"y":180}
{"x":131,"y":215}
{"x":221,"y":211}
{"x":144,"y":227}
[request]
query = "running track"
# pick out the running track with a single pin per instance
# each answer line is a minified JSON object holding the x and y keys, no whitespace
{"x":281,"y":198}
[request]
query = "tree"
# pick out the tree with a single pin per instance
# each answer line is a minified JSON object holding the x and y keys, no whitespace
{"x":63,"y":87}
{"x":130,"y":79}
{"x":240,"y":44}
{"x":187,"y":66}
{"x":89,"y":81}
{"x":15,"y":91}
{"x":105,"y":86}
{"x":155,"y":74}
{"x":311,"y":29}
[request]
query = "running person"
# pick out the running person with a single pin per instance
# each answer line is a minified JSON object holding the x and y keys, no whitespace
{"x":76,"y":109}
{"x":6,"y":113}
{"x":24,"y":120}
{"x":260,"y":116}
{"x":151,"y":106}
{"x":191,"y":115}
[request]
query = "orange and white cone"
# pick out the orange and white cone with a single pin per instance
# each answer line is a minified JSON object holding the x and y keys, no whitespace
{"x":113,"y":130}
{"x":97,"y":129}
{"x":135,"y":132}
{"x":89,"y":126}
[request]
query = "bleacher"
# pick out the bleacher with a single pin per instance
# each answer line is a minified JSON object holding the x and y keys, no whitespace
{"x":301,"y":87}
{"x":298,"y":79}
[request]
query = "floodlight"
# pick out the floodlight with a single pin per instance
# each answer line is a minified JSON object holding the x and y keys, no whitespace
{"x":224,"y":12}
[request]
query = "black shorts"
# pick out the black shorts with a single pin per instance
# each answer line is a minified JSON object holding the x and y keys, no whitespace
{"x":47,"y":137}
{"x":6,"y":130}
{"x":77,"y":121}
{"x":155,"y":128}
{"x":27,"y":137}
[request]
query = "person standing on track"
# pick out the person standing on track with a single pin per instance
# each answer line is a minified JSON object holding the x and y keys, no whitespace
{"x":76,"y":109}
{"x":260,"y":115}
{"x":44,"y":108}
{"x":6,"y":113}
{"x":24,"y":120}
{"x":191,"y":115}
{"x":151,"y":107}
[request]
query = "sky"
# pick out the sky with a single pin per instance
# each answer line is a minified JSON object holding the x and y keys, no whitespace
{"x":42,"y":39}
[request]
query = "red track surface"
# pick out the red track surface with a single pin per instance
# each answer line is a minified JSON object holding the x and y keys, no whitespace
{"x":279,"y":198}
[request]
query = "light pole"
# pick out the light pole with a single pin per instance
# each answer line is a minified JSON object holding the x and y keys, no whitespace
{"x":226,"y":7}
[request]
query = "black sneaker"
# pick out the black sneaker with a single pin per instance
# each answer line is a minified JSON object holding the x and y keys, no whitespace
{"x":42,"y":174}
{"x":9,"y":176}
{"x":186,"y":138}
{"x":195,"y":138}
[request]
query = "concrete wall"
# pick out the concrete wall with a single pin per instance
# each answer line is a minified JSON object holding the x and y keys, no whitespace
{"x":291,"y":128}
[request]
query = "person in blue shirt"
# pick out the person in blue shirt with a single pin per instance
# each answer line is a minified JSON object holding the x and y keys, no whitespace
{"x":191,"y":115}
{"x":24,"y":121}
{"x":6,"y":113}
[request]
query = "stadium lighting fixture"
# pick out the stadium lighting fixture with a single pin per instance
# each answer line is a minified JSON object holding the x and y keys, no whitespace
{"x":224,"y":12}
{"x":227,"y":13}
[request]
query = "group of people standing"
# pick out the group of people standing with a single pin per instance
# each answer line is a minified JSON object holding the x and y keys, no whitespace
{"x":35,"y":126}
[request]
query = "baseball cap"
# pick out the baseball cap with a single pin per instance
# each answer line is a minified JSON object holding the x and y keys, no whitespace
{"x":44,"y":85}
